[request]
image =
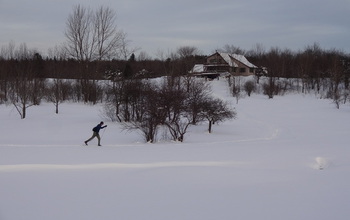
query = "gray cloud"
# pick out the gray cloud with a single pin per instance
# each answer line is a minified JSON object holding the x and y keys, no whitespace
{"x":166,"y":25}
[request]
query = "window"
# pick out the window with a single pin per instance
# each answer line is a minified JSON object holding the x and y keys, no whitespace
{"x":242,"y":70}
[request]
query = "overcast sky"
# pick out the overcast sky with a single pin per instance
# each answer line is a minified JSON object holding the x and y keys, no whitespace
{"x":165,"y":25}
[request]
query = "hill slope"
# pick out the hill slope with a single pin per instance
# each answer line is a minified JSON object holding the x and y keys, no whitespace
{"x":283,"y":158}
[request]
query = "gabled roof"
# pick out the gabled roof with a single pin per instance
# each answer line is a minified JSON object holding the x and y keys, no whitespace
{"x":228,"y":59}
{"x":231,"y":58}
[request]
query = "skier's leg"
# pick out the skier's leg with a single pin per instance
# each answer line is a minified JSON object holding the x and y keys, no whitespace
{"x":92,"y":137}
{"x":99,"y":139}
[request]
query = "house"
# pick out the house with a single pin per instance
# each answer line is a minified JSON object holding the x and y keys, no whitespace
{"x":224,"y":63}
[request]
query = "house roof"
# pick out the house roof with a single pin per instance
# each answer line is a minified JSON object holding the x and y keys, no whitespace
{"x":228,"y":59}
{"x":231,"y":58}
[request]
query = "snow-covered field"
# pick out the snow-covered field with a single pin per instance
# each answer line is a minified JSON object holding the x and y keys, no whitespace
{"x":282,"y":158}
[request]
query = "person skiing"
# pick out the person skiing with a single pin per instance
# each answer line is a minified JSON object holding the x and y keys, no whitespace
{"x":95,"y":133}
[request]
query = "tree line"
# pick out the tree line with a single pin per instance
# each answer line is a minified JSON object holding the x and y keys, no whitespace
{"x":138,"y":100}
{"x":97,"y":51}
{"x":24,"y":72}
{"x":144,"y":101}
{"x":313,"y":69}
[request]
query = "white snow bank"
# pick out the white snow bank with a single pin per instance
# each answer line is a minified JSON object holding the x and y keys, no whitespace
{"x":263,"y":165}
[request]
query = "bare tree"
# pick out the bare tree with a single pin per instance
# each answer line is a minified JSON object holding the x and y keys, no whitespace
{"x":93,"y":35}
{"x":187,"y":51}
{"x":236,"y":88}
{"x":8,"y":52}
{"x":216,"y":110}
{"x":178,"y":128}
{"x":21,"y":96}
{"x":147,"y":106}
{"x":232,"y":49}
{"x":80,"y":41}
{"x":109,"y":38}
{"x":198,"y":91}
{"x":58,"y":52}
{"x":336,"y":71}
{"x":270,"y":87}
{"x":57,"y":92}
{"x":150,"y":113}
{"x":6,"y":70}
{"x":173,"y":96}
{"x":26,"y":88}
{"x":125,"y":50}
{"x":114,"y":99}
{"x":143,"y":56}
{"x":249,"y":87}
{"x":186,"y":59}
{"x":257,"y":51}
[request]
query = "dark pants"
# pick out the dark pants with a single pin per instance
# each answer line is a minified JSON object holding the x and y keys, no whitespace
{"x":95,"y":134}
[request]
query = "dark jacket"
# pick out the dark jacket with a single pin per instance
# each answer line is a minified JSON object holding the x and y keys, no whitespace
{"x":98,"y":128}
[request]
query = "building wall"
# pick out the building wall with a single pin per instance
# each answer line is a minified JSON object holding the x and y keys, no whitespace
{"x":223,"y":66}
{"x":243,"y":70}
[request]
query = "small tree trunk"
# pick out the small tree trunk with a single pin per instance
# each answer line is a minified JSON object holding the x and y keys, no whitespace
{"x":23,"y":112}
{"x":56,"y":107}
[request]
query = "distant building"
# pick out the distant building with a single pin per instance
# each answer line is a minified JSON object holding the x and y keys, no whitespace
{"x":224,"y":64}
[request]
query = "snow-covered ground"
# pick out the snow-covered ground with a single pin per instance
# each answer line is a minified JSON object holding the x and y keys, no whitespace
{"x":282,"y":158}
